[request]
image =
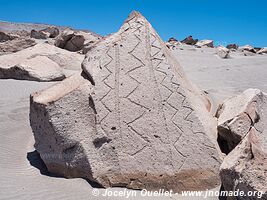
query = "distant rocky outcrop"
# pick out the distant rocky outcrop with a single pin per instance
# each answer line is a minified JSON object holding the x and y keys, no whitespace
{"x":132,"y":119}
{"x":189,"y":40}
{"x":25,"y":64}
{"x":243,"y":125}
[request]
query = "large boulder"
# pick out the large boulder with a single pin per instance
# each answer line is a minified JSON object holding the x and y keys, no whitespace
{"x":15,"y":45}
{"x":142,"y":123}
{"x":189,"y":40}
{"x":204,"y":43}
{"x":243,"y":123}
{"x":237,"y":114}
{"x":222,"y":52}
{"x":39,"y":68}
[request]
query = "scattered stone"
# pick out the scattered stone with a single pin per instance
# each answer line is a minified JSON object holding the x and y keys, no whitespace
{"x":232,"y":46}
{"x":39,"y":35}
{"x":222,"y":52}
{"x":189,"y":40}
{"x":39,"y":68}
{"x":76,"y":40}
{"x":141,"y":125}
{"x":262,"y":51}
{"x":247,"y":48}
{"x":204,"y":43}
{"x":248,"y":53}
{"x":51,"y":31}
{"x":5,"y":37}
{"x":15,"y":45}
{"x":172,"y":39}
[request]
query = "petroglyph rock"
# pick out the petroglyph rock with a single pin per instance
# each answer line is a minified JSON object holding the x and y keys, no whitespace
{"x":142,"y":124}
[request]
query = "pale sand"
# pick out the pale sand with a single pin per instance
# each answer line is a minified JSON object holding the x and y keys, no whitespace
{"x":22,"y":180}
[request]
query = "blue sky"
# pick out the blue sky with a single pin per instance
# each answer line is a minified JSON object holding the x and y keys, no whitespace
{"x":224,"y":21}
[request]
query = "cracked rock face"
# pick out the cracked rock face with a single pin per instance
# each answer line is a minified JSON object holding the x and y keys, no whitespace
{"x":141,"y":125}
{"x":222,"y":52}
{"x":238,"y":114}
{"x":243,"y":122}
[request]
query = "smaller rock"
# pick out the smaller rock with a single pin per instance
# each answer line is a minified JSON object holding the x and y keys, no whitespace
{"x":222,"y":52}
{"x":205,"y":43}
{"x":189,"y":40}
{"x":248,"y":53}
{"x":232,"y":46}
{"x":172,"y":39}
{"x":39,"y":34}
{"x":262,"y":51}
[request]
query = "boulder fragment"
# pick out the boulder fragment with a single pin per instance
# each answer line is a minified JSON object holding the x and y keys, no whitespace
{"x":204,"y":43}
{"x":189,"y":40}
{"x":39,"y":34}
{"x":143,"y":124}
{"x":247,"y":48}
{"x":75,"y":40}
{"x":232,"y":46}
{"x":39,"y":68}
{"x":222,"y":52}
{"x":262,"y":51}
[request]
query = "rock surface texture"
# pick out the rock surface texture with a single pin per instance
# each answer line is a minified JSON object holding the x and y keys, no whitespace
{"x":245,"y":167}
{"x":141,"y":124}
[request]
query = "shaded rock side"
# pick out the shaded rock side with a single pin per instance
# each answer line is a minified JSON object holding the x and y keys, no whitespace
{"x":150,"y":119}
{"x":245,"y":168}
{"x":62,"y":120}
